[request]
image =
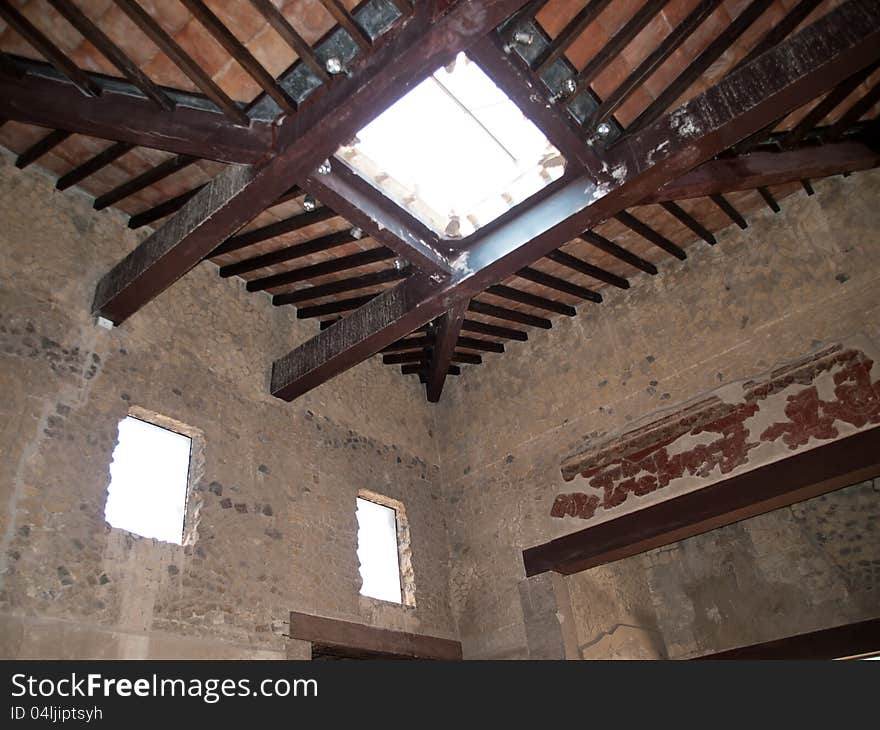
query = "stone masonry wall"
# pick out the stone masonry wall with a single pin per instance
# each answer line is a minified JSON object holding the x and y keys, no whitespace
{"x":791,"y":285}
{"x":274,"y":501}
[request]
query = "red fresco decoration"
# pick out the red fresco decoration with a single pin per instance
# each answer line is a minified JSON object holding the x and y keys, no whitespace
{"x":639,"y":462}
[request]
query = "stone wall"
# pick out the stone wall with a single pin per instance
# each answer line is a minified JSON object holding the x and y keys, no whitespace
{"x":790,"y":286}
{"x":274,"y":504}
{"x":272,"y":510}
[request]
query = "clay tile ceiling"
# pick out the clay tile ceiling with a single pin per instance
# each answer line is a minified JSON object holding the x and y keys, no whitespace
{"x":216,"y":84}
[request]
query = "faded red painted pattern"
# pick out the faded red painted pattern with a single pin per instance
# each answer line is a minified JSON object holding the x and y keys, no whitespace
{"x":639,"y":462}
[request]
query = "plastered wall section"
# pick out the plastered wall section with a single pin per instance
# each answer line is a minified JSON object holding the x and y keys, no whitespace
{"x":790,"y":284}
{"x":271,"y":516}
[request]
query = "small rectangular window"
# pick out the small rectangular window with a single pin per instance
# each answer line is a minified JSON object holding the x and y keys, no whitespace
{"x":148,"y":481}
{"x":378,"y":551}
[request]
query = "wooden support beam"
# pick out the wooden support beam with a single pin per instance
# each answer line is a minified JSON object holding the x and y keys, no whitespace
{"x":112,"y":53}
{"x":336,"y":307}
{"x":473,"y":343}
{"x":805,"y":475}
{"x":618,"y":42}
{"x":769,"y":199}
{"x":122,"y":117}
{"x":808,"y":188}
{"x":583,"y":267}
{"x":448,"y":331}
{"x":339,"y":287}
{"x":569,"y":34}
{"x":687,"y":220}
{"x":410,"y":343}
{"x":531,"y":300}
{"x":652,"y":62}
{"x":399,"y":358}
{"x":144,"y":180}
{"x":612,"y":249}
{"x":554,"y":282}
{"x":273,"y":230}
{"x":303,"y":50}
{"x":511,"y":315}
{"x":347,"y":21}
{"x":765,"y":169}
{"x":649,"y":234}
{"x":725,"y":205}
{"x":845,"y":39}
{"x":40,"y":148}
{"x":700,"y":64}
{"x":331,"y":266}
{"x":410,"y":51}
{"x":166,"y":207}
{"x":180,"y":58}
{"x":48,"y":50}
{"x":243,"y":57}
{"x":421,"y":369}
{"x":346,"y":635}
{"x":93,"y":164}
{"x":466,"y":357}
{"x":491,"y":330}
{"x":286,"y":254}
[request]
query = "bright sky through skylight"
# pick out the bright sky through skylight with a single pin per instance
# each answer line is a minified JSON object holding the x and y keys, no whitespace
{"x":459,"y":146}
{"x":377,"y":551}
{"x":148,"y":477}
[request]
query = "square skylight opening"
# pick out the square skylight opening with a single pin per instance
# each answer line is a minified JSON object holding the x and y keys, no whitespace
{"x":455,"y":152}
{"x":148,"y":481}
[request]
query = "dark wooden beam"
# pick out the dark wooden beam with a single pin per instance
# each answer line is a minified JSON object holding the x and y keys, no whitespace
{"x":618,"y":42}
{"x":531,"y":300}
{"x":347,"y":635}
{"x":421,"y":369}
{"x":414,"y":48}
{"x":765,"y":169}
{"x":48,"y":50}
{"x":769,"y":199}
{"x":727,"y":208}
{"x":122,"y":117}
{"x":649,"y":234}
{"x":700,"y":64}
{"x":335,"y":307}
{"x":652,"y":62}
{"x":303,"y":50}
{"x":687,"y":220}
{"x":511,"y":315}
{"x":467,"y":357}
{"x":166,"y":207}
{"x":339,"y":287}
{"x":112,"y":52}
{"x":612,"y":249}
{"x":805,"y":475}
{"x":144,"y":180}
{"x":849,"y":641}
{"x":331,"y":266}
{"x":808,"y":63}
{"x":288,"y":253}
{"x":273,"y":230}
{"x":491,"y":330}
{"x":808,"y":188}
{"x":243,"y":57}
{"x":40,"y":148}
{"x":363,"y":206}
{"x":399,"y":358}
{"x":348,"y":23}
{"x":569,"y":34}
{"x":180,"y":58}
{"x":447,"y":333}
{"x":562,"y":285}
{"x":410,"y":343}
{"x":473,"y":343}
{"x":93,"y":164}
{"x":583,"y":267}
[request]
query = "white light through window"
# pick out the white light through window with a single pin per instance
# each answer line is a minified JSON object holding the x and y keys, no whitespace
{"x":455,"y":151}
{"x":148,"y":479}
{"x":377,"y":551}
